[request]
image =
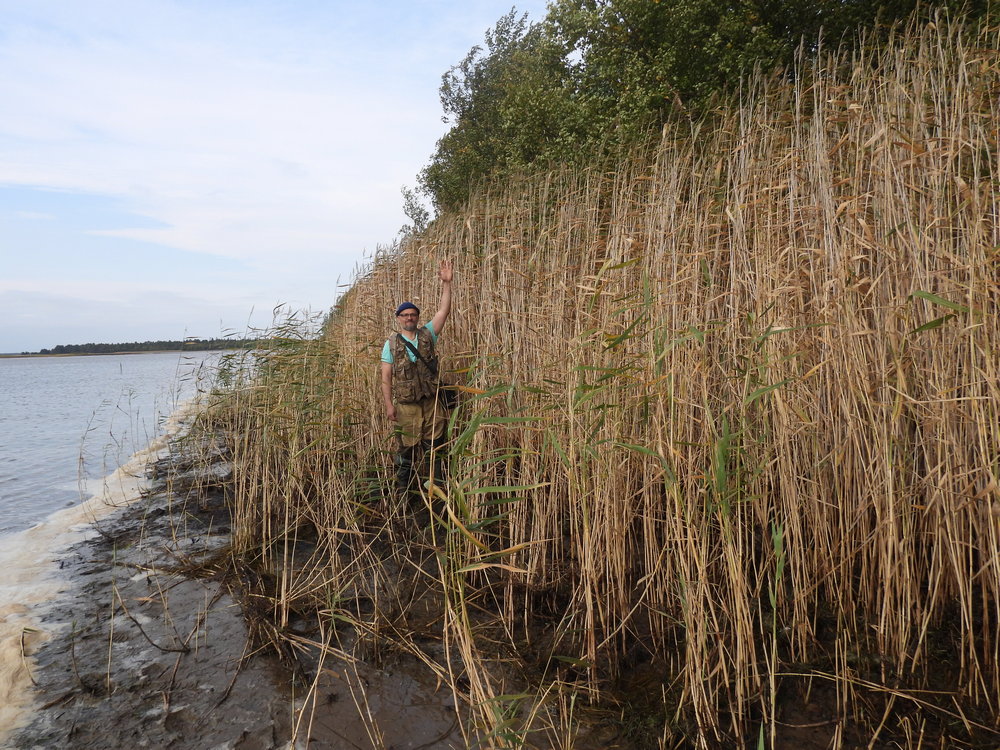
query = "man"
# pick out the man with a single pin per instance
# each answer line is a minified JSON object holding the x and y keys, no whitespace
{"x":410,"y":381}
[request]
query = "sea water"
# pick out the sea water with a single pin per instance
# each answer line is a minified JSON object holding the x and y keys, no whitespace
{"x":66,"y":422}
{"x":75,"y":435}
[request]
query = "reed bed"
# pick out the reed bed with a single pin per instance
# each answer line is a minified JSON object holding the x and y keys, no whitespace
{"x":731,"y":423}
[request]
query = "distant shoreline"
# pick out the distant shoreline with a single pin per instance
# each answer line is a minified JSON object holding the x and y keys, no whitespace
{"x":191,"y":344}
{"x":112,"y":354}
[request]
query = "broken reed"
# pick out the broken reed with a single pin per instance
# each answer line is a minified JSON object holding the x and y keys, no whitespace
{"x":743,"y":395}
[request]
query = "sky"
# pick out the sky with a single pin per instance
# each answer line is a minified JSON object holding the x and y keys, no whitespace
{"x":182,"y":168}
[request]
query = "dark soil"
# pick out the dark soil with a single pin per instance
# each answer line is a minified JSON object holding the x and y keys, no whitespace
{"x":153,"y":650}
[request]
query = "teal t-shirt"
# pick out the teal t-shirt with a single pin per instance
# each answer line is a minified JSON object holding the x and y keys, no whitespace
{"x":387,"y":351}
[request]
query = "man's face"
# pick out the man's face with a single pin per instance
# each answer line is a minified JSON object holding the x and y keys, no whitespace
{"x":408,"y":320}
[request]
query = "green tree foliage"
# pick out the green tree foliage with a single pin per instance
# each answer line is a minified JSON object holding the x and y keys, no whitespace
{"x":415,"y":211}
{"x":599,"y":74}
{"x":506,"y":101}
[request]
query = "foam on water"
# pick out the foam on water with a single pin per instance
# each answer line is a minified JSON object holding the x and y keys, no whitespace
{"x":29,"y":581}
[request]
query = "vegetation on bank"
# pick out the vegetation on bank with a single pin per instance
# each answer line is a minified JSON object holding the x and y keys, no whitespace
{"x":595,"y":78}
{"x":196,"y":345}
{"x":726,"y":470}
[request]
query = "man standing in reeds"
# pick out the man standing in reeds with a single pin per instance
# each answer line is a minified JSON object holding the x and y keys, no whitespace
{"x":410,"y":383}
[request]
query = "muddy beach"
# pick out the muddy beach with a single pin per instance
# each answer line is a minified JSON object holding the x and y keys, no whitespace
{"x":150,"y":646}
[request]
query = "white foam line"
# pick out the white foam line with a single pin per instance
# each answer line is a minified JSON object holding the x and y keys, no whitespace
{"x":28,"y":563}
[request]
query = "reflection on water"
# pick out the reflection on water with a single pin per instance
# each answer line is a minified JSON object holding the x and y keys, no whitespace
{"x":68,"y":421}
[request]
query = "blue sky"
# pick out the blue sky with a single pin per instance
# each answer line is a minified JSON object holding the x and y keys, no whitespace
{"x":174,"y":168}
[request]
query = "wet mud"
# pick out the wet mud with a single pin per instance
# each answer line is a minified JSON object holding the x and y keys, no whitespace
{"x":151,"y":648}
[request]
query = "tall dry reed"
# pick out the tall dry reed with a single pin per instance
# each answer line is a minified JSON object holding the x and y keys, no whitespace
{"x":732,"y":410}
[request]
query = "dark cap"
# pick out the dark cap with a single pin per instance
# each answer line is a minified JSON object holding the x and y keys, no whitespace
{"x":407,"y":306}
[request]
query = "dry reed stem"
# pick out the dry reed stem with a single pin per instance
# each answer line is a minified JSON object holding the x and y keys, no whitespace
{"x":785,"y":320}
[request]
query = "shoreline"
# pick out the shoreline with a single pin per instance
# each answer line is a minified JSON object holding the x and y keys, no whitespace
{"x":114,"y":354}
{"x":32,"y":562}
{"x":147,"y":634}
{"x":145,"y":641}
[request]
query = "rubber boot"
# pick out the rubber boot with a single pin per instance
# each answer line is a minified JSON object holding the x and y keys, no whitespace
{"x":405,"y":474}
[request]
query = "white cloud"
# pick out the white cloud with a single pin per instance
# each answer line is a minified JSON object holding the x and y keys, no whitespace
{"x":274,"y":134}
{"x":236,"y":146}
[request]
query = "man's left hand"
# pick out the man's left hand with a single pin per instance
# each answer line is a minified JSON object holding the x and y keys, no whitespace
{"x":445,"y":271}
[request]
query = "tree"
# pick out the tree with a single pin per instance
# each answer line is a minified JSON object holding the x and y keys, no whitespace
{"x":415,"y":211}
{"x":505,"y":101}
{"x":599,"y":74}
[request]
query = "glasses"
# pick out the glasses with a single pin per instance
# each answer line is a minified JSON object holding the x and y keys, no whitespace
{"x":407,"y":315}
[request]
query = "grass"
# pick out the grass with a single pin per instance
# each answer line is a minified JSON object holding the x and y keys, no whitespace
{"x":734,"y":403}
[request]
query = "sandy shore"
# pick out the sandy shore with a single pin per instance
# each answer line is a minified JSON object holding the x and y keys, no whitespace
{"x":148,"y":646}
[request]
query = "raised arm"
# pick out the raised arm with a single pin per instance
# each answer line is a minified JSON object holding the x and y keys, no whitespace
{"x":446,"y":274}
